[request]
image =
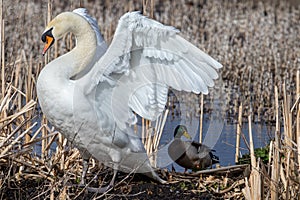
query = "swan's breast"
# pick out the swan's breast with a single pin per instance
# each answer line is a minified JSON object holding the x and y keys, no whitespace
{"x":69,"y":110}
{"x":55,"y":99}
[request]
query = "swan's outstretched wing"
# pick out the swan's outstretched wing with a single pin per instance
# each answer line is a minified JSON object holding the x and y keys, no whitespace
{"x":144,"y":59}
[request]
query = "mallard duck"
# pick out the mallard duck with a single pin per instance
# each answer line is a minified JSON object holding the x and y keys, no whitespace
{"x":92,"y":93}
{"x":190,"y":154}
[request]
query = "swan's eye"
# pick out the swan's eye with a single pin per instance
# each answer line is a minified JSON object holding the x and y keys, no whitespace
{"x":47,"y":33}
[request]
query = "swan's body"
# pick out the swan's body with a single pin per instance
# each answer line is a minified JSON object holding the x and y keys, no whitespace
{"x":190,"y":154}
{"x":89,"y":93}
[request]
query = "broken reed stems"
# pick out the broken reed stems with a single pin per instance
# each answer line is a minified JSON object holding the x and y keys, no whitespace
{"x":51,"y":141}
{"x":8,"y":120}
{"x":149,"y":136}
{"x":31,"y":142}
{"x":283,"y":171}
{"x":256,"y":182}
{"x":161,"y":128}
{"x":20,"y":137}
{"x":29,"y":92}
{"x":2,"y":48}
{"x":286,"y":116}
{"x":275,"y":152}
{"x":9,"y":136}
{"x":252,"y":156}
{"x":246,"y":190}
{"x":270,"y":156}
{"x":238,"y":133}
{"x":297,"y":103}
{"x":153,"y":135}
{"x":147,"y":3}
{"x":5,"y":101}
{"x":290,"y":133}
{"x":298,"y":147}
{"x":143,"y":131}
{"x":201,"y":118}
{"x":37,"y":169}
{"x":44,"y":120}
{"x":255,"y":190}
{"x":152,"y":9}
{"x":61,"y":149}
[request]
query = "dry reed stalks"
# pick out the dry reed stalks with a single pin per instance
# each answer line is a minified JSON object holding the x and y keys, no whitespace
{"x":2,"y":48}
{"x":298,"y":116}
{"x":283,"y":156}
{"x":252,"y":155}
{"x":238,"y":133}
{"x":253,"y":186}
{"x":201,"y":118}
{"x":275,"y":153}
{"x":152,"y":136}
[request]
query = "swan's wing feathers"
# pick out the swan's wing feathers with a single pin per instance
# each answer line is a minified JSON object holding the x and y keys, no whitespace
{"x":149,"y":101}
{"x":145,"y":58}
{"x":147,"y":32}
{"x":93,"y":22}
{"x":133,"y":32}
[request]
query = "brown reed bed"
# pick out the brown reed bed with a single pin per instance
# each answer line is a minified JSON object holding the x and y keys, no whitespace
{"x":256,"y":41}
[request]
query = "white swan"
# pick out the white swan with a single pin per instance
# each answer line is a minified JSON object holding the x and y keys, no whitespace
{"x":89,"y":94}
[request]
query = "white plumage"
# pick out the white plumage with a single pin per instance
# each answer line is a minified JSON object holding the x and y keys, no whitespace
{"x":90,"y":93}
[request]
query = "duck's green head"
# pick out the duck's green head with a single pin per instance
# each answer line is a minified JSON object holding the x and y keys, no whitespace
{"x":181,"y":130}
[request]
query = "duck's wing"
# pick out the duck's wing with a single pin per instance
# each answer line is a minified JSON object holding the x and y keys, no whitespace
{"x":202,"y":150}
{"x":144,"y":59}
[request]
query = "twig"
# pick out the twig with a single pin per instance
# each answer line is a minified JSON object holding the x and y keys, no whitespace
{"x":221,"y":169}
{"x":234,"y":185}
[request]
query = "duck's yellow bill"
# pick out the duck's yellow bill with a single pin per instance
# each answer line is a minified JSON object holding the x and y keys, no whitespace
{"x":187,"y":135}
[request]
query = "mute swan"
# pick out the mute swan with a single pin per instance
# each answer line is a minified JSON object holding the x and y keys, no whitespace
{"x":190,"y":154}
{"x":89,"y":94}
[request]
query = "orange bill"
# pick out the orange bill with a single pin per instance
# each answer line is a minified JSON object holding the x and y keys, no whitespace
{"x":49,"y":42}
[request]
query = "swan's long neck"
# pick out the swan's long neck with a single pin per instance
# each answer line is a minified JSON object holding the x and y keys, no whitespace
{"x":83,"y":53}
{"x":79,"y":60}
